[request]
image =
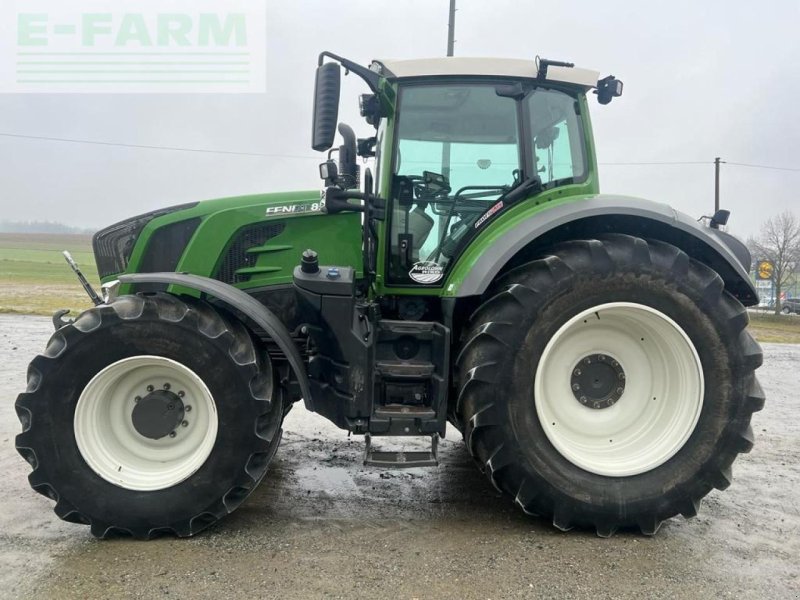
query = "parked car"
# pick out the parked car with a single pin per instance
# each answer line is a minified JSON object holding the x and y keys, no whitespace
{"x":790,"y":305}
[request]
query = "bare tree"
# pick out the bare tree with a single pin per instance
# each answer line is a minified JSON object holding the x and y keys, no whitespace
{"x":779,"y":243}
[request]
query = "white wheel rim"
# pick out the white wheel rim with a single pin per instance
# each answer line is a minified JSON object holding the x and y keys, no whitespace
{"x":116,"y":451}
{"x":660,"y":404}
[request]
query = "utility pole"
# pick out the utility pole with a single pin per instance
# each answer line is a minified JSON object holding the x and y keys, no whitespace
{"x":451,"y":40}
{"x":451,"y":28}
{"x":717,"y":161}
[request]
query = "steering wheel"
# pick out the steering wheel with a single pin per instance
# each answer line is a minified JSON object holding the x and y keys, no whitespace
{"x":423,"y":193}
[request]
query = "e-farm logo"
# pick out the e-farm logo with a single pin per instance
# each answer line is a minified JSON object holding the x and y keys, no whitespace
{"x":133,"y":46}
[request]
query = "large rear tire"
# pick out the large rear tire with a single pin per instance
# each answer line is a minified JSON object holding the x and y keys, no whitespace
{"x":608,"y":384}
{"x":147,"y":416}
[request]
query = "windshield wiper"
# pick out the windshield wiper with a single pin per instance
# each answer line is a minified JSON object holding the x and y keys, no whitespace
{"x":522,"y":189}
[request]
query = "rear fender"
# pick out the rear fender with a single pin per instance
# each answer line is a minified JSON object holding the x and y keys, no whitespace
{"x":511,"y":244}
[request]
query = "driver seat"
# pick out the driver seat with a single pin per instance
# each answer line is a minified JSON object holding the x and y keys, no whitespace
{"x":416,"y":222}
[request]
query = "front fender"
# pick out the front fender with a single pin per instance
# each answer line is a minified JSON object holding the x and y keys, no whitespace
{"x":243,"y":302}
{"x":546,"y":224}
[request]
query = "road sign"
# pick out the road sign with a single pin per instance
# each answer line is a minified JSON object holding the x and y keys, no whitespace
{"x":764,"y":269}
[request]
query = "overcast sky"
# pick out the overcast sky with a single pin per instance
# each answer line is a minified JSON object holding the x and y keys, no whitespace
{"x":702,"y":79}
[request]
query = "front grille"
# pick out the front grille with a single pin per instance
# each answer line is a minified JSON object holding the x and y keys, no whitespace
{"x":236,"y":256}
{"x":114,"y":245}
{"x":166,"y":246}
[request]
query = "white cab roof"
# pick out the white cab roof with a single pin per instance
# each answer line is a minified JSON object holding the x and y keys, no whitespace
{"x":500,"y":67}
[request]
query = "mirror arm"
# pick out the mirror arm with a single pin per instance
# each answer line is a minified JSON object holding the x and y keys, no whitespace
{"x":371,"y":77}
{"x":337,"y":200}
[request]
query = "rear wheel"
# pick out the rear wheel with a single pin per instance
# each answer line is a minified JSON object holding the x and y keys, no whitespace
{"x":609,"y":384}
{"x":149,"y":415}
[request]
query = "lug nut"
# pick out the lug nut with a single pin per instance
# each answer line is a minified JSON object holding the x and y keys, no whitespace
{"x":582,"y":400}
{"x":587,"y":360}
{"x":577,"y":372}
{"x":184,"y":423}
{"x":620,"y":390}
{"x":167,"y":386}
{"x":150,"y":388}
{"x":137,"y":398}
{"x":622,"y":375}
{"x":172,"y":434}
{"x":576,"y":387}
{"x":181,"y":394}
{"x":188,"y":408}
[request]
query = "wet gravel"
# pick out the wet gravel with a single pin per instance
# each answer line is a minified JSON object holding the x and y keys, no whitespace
{"x":323,"y":526}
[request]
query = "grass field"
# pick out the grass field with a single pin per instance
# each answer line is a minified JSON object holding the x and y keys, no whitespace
{"x":35,"y":279}
{"x":780,"y":329}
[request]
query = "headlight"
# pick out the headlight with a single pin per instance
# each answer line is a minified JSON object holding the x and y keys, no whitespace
{"x":113,"y":245}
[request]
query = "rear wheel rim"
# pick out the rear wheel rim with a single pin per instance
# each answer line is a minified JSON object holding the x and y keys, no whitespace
{"x":110,"y":443}
{"x":657,"y":410}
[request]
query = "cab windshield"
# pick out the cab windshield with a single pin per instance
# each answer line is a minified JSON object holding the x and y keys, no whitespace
{"x":459,"y":149}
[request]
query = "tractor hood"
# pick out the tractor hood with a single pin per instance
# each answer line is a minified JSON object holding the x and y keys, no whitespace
{"x":242,"y":240}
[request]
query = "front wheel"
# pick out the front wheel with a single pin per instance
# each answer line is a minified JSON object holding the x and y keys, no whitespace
{"x":609,"y":384}
{"x":147,"y":416}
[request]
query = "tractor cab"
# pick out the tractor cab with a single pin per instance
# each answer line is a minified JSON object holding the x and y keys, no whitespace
{"x":459,"y":141}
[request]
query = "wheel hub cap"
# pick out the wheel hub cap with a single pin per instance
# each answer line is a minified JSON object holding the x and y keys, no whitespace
{"x":157,"y":414}
{"x":598,"y":381}
{"x":146,"y":423}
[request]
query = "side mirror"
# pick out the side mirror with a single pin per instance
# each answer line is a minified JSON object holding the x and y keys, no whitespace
{"x":326,"y":105}
{"x":608,"y":88}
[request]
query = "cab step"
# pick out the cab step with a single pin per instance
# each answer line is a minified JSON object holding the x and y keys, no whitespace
{"x":402,"y":459}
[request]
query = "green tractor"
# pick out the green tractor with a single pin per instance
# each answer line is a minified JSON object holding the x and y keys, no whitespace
{"x":592,"y":349}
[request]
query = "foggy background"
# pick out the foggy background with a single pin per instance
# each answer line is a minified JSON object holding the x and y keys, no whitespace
{"x":701,"y":80}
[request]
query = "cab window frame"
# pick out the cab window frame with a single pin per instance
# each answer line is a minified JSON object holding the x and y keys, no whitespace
{"x":526,"y":153}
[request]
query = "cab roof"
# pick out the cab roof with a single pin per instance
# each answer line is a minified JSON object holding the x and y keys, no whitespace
{"x":498,"y":67}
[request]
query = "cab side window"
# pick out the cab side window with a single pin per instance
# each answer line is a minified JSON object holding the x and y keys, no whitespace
{"x":557,"y":142}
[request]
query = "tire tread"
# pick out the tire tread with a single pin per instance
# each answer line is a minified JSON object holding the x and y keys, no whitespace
{"x":209,"y":323}
{"x":476,"y":408}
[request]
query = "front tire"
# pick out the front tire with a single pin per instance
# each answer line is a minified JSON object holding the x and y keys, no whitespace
{"x":151,"y":415}
{"x":575,"y":446}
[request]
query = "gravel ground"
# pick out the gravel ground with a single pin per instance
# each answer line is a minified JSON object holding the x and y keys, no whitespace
{"x":323,"y":526}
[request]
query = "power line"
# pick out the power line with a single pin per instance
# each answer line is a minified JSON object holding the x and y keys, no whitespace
{"x":298,"y":156}
{"x":683,"y":162}
{"x":762,"y":166}
{"x":697,"y":162}
{"x":148,"y":147}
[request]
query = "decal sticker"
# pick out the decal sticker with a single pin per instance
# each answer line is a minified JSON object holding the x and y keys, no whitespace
{"x":293,"y":209}
{"x":485,"y":217}
{"x":426,"y":271}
